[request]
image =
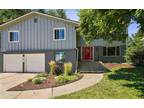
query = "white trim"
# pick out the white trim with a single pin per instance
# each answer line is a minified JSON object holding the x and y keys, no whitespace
{"x":59,"y":29}
{"x":81,"y":53}
{"x":74,"y":22}
{"x":9,"y":36}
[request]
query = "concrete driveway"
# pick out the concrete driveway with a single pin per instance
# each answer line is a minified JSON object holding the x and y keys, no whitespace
{"x":9,"y":80}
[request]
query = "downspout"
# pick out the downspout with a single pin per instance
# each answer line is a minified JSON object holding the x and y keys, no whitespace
{"x":77,"y":51}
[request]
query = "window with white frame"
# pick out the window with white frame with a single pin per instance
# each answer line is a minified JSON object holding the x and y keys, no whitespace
{"x":59,"y":33}
{"x":13,"y":36}
{"x":111,"y":51}
{"x":60,"y":57}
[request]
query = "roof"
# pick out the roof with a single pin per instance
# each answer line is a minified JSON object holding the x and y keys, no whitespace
{"x":37,"y":13}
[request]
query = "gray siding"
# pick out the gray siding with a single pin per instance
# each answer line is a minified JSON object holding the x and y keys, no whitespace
{"x":1,"y":62}
{"x":39,"y":36}
{"x":98,"y":55}
{"x":70,"y":56}
{"x":98,"y":42}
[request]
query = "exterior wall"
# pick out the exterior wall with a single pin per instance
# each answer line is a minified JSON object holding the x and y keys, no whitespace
{"x":39,"y":36}
{"x":98,"y":42}
{"x":98,"y":50}
{"x":1,"y":62}
{"x":70,"y":56}
{"x":113,"y":58}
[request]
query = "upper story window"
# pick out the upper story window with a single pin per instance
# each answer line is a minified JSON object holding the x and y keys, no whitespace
{"x":59,"y":34}
{"x":13,"y":36}
{"x":111,"y":51}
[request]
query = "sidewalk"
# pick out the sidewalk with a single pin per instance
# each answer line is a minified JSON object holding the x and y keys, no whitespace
{"x":87,"y":81}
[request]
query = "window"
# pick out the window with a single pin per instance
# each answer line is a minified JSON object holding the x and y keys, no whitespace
{"x":104,"y":51}
{"x":13,"y":36}
{"x":118,"y":50}
{"x":60,"y":57}
{"x":35,"y":20}
{"x":59,"y":34}
{"x":111,"y":51}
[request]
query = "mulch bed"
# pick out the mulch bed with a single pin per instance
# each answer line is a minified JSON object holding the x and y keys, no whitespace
{"x":112,"y":65}
{"x":48,"y":83}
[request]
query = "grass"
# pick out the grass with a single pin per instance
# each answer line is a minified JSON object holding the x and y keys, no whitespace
{"x":119,"y":83}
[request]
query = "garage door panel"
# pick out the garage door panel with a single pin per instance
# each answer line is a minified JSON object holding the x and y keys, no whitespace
{"x":35,"y":63}
{"x":13,"y":63}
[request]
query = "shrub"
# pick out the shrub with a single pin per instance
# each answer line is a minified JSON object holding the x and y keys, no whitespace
{"x":52,"y":67}
{"x":59,"y":69}
{"x":38,"y":80}
{"x":29,"y":80}
{"x":64,"y":79}
{"x":42,"y":75}
{"x":67,"y":69}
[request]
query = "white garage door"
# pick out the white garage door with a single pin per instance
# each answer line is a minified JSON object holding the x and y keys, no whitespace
{"x":35,"y":62}
{"x":13,"y":63}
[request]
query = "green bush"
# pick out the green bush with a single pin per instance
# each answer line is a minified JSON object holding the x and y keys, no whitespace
{"x":38,"y":80}
{"x":41,"y":75}
{"x":29,"y":80}
{"x":64,"y":79}
{"x":67,"y":69}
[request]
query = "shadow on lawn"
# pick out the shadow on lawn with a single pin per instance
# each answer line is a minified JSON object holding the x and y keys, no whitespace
{"x":135,"y":75}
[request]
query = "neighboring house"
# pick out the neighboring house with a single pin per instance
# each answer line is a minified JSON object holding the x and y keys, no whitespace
{"x":29,"y":42}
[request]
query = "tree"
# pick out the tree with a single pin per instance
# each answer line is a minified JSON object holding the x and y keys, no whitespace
{"x":9,"y":14}
{"x":40,"y":10}
{"x":135,"y":49}
{"x":61,"y":13}
{"x":52,"y":12}
{"x":57,"y":12}
{"x":108,"y":24}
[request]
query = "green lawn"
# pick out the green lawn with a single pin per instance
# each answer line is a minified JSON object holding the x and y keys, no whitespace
{"x":121,"y":82}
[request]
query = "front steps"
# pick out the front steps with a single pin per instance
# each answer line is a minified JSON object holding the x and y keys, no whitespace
{"x":91,"y":66}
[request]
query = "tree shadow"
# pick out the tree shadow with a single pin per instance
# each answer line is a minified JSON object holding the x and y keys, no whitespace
{"x":135,"y":75}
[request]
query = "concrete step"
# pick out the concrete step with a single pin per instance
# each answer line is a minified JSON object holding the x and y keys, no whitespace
{"x":91,"y":67}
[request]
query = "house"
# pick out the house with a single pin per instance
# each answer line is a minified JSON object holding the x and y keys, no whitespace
{"x":29,"y":42}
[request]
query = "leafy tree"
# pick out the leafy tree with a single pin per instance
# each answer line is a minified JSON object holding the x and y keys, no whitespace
{"x":135,"y":49}
{"x":108,"y":24}
{"x":61,"y":13}
{"x":57,"y":12}
{"x":9,"y":14}
{"x":40,"y":10}
{"x":52,"y":12}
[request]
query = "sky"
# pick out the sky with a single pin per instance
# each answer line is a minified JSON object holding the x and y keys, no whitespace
{"x":72,"y":14}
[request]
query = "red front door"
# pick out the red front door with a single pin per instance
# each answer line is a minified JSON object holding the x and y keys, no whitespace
{"x":87,"y":53}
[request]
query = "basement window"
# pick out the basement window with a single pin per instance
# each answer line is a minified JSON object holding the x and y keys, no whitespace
{"x":60,"y":57}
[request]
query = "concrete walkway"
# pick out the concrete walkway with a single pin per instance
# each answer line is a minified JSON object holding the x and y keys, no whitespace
{"x":87,"y":81}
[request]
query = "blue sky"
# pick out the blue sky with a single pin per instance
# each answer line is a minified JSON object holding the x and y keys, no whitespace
{"x":72,"y":14}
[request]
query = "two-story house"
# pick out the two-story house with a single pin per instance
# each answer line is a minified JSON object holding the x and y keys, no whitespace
{"x":29,"y":42}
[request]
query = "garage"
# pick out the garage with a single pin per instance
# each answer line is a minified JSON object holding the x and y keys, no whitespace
{"x":34,"y":62}
{"x":24,"y":63}
{"x":13,"y":63}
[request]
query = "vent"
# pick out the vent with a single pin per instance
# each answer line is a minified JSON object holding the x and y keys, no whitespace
{"x":35,"y":20}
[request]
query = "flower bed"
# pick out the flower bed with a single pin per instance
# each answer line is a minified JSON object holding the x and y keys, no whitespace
{"x":44,"y":80}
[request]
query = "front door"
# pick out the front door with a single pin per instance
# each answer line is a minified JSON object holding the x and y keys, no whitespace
{"x":87,"y":53}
